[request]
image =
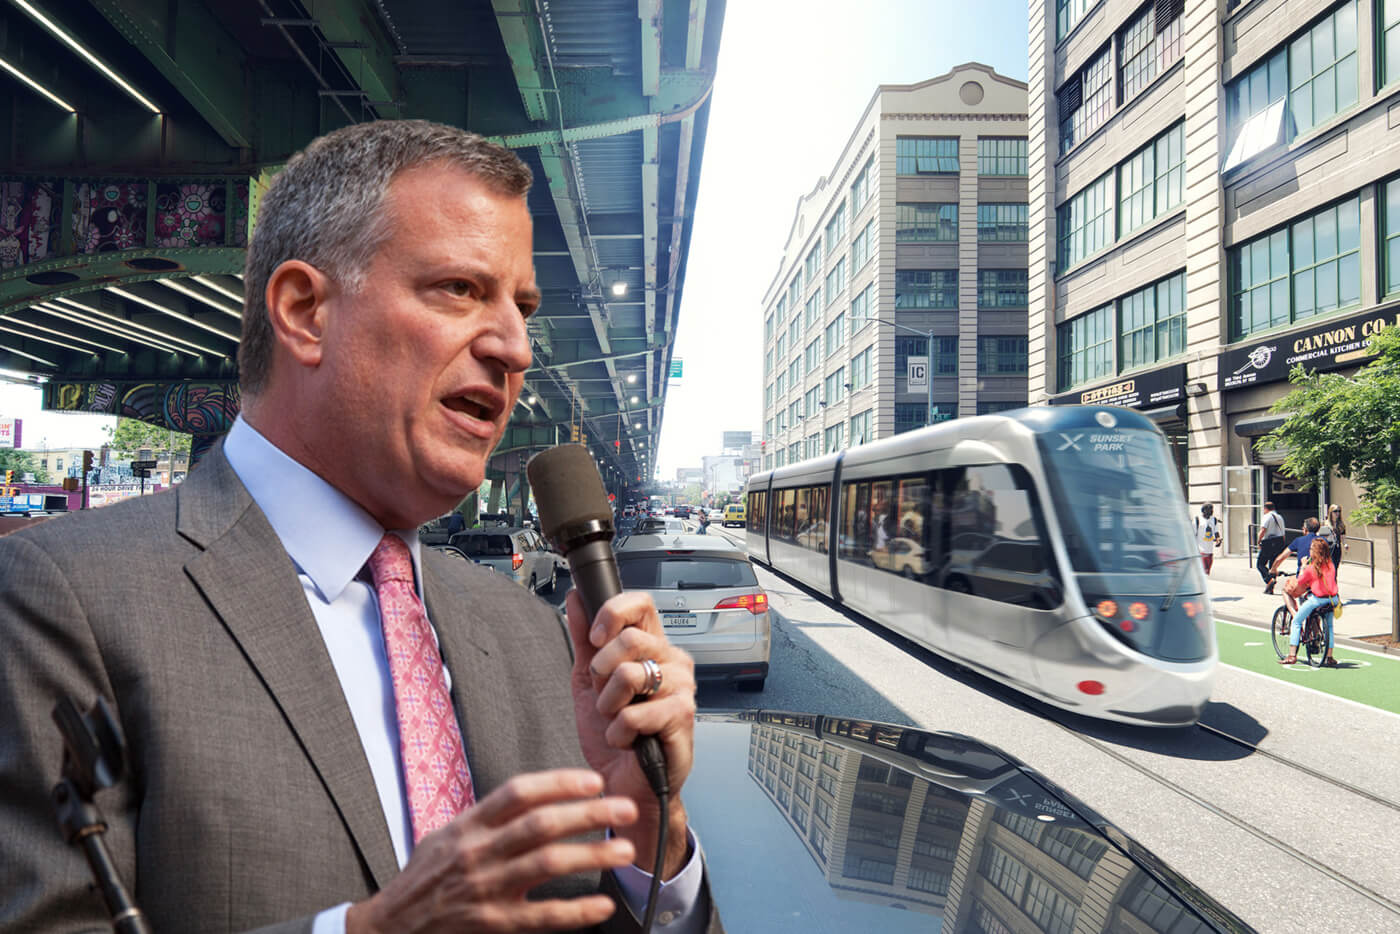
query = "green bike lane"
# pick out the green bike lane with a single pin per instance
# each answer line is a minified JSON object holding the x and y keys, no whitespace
{"x":1371,"y":678}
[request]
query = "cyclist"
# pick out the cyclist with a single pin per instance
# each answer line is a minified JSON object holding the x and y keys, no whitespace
{"x":1298,"y":548}
{"x":1319,"y":578}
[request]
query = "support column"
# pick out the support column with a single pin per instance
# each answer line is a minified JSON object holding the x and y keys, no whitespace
{"x":498,"y":488}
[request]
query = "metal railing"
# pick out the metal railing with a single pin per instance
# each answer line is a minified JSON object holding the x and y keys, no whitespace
{"x":1348,"y":540}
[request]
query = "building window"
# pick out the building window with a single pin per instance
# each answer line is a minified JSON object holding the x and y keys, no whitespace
{"x":812,"y":356}
{"x":814,"y":449}
{"x":813,"y":312}
{"x":861,"y":313}
{"x":860,"y":371}
{"x":1158,"y":909}
{"x":1322,"y":79}
{"x":1068,"y":13}
{"x":836,"y":280}
{"x":1152,"y":181}
{"x":835,"y":334}
{"x":1086,"y":100}
{"x":795,"y":291}
{"x":1391,"y":227}
{"x":945,"y":354}
{"x":794,"y":451}
{"x":1048,"y":908}
{"x":861,"y":187}
{"x":863,"y":427}
{"x":911,"y":415}
{"x":780,"y":349}
{"x":925,"y":222}
{"x":768,"y":361}
{"x":1001,"y":156}
{"x":1001,"y":356}
{"x":795,"y":373}
{"x":926,"y":288}
{"x":1312,"y":267}
{"x":780,"y":458}
{"x":1085,"y":348}
{"x":1390,"y":40}
{"x":991,"y":408}
{"x":925,"y":155}
{"x":812,"y":400}
{"x":779,"y":386}
{"x":834,"y":387}
{"x":1152,"y":323}
{"x":1149,"y":45}
{"x":768,"y":329}
{"x":812,"y":268}
{"x":929,"y":880}
{"x":1002,"y":223}
{"x":1316,"y":73}
{"x":1005,"y":872}
{"x":832,"y":441}
{"x":861,"y":246}
{"x":1002,"y":288}
{"x":794,"y":334}
{"x":836,"y":229}
{"x":1085,"y":223}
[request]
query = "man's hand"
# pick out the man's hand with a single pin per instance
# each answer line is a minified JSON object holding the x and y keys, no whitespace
{"x":607,"y":674}
{"x":472,"y":875}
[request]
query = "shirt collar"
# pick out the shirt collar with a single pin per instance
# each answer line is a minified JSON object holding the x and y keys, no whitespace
{"x":327,"y":534}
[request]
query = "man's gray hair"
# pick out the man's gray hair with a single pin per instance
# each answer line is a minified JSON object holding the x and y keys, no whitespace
{"x":327,"y":208}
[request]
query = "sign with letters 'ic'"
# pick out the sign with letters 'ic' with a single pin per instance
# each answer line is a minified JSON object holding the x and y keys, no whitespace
{"x":916,"y":372}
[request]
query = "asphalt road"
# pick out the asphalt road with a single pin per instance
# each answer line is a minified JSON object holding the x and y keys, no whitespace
{"x":1275,"y":839}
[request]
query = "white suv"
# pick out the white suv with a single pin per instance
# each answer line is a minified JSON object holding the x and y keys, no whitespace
{"x":710,"y":602}
{"x":520,"y":553}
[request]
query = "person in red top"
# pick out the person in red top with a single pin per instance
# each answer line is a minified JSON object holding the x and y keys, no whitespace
{"x":1319,"y":576}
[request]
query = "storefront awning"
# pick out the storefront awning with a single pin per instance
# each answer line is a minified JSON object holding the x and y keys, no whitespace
{"x":1166,"y":413}
{"x":1258,"y":426}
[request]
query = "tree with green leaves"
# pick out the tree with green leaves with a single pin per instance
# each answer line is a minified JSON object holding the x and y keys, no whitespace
{"x":21,"y":462}
{"x":132,"y":434}
{"x":1351,"y":425}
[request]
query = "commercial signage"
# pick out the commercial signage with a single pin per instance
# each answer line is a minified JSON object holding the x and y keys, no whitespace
{"x":10,"y":432}
{"x":737,"y":440}
{"x":916,"y":374}
{"x":1139,"y":391}
{"x":676,"y":368}
{"x":1330,"y":345}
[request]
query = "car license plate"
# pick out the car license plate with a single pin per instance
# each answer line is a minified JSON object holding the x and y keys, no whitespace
{"x":678,"y":622}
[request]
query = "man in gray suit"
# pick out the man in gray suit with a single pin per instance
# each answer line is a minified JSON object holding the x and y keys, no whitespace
{"x":273,"y":641}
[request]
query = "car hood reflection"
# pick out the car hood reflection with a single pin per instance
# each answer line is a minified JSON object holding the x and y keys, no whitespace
{"x":823,"y":824}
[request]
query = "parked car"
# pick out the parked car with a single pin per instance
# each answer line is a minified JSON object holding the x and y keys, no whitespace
{"x":710,"y":602}
{"x":521,"y":553}
{"x":734,"y":515}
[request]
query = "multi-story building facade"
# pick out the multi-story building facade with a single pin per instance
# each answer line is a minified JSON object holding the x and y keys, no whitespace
{"x":1212,"y":200}
{"x":914,"y":246}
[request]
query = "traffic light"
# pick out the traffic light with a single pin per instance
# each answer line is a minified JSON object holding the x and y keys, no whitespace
{"x":573,"y":434}
{"x":87,"y":463}
{"x":9,"y":477}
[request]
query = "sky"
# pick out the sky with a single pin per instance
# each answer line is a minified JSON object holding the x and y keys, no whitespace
{"x":794,"y":77}
{"x":51,"y":429}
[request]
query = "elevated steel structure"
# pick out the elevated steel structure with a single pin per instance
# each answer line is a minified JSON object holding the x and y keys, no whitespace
{"x":139,"y":136}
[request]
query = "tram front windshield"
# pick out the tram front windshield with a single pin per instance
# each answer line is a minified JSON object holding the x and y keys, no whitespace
{"x":1118,"y":501}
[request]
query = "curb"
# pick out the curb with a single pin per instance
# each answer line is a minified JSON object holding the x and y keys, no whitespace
{"x":1336,"y":639}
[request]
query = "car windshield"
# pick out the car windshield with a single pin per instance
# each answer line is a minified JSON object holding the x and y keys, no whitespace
{"x":682,"y":572}
{"x":486,"y":546}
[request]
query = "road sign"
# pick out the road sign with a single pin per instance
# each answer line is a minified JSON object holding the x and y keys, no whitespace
{"x":143,"y":465}
{"x":917,"y":373}
{"x":676,"y":368}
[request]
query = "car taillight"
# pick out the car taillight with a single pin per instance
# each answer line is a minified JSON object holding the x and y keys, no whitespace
{"x":755,"y":603}
{"x":516,"y":560}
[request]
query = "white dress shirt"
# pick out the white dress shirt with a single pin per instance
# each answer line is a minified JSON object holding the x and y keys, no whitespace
{"x":330,"y":538}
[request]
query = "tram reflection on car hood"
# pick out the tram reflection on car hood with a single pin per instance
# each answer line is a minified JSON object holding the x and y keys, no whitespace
{"x":824,"y":824}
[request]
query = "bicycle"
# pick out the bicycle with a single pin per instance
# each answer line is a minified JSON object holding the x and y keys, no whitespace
{"x":1313,"y":639}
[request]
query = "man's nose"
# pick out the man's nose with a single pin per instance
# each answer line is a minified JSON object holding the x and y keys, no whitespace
{"x":507,"y":341}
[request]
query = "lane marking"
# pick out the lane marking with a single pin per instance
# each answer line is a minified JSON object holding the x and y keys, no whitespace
{"x":1336,"y":697}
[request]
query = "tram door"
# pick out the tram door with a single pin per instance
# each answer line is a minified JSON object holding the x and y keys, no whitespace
{"x":1244,"y":499}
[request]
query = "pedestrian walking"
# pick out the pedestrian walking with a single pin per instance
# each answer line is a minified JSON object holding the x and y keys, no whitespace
{"x":1339,"y":528}
{"x":1207,"y":535}
{"x":1271,"y":542}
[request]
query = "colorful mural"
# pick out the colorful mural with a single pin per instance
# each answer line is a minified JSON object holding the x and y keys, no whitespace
{"x":191,"y":213}
{"x":109,"y":216}
{"x":29,"y":223}
{"x":199,"y":409}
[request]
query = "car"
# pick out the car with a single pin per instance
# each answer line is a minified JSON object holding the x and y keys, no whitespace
{"x":682,"y":512}
{"x":521,"y":553}
{"x":716,"y":515}
{"x":710,"y":602}
{"x":734,"y":515}
{"x":655,"y":525}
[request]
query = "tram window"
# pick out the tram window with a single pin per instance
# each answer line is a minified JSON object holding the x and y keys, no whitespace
{"x":909,"y":550}
{"x":855,"y":525}
{"x":996,"y":546}
{"x":755,"y":510}
{"x":786,"y":500}
{"x":803,"y":516}
{"x":884,"y":522}
{"x":817,"y":534}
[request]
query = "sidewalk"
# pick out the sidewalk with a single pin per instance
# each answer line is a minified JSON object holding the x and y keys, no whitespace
{"x":1237,"y":594}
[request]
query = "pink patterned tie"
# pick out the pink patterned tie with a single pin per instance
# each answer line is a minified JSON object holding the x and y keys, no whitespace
{"x":430,"y":743}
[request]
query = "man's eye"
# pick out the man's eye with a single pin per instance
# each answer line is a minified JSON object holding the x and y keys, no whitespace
{"x":459,"y":287}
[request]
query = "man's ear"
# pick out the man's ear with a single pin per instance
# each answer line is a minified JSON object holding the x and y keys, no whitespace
{"x":296,"y":297}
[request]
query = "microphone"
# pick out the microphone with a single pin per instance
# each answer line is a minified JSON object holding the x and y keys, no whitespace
{"x":577,"y":518}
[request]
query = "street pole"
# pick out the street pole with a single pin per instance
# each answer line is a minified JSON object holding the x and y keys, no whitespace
{"x":928,"y":367}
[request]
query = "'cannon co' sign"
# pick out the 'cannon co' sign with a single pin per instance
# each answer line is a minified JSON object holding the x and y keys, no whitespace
{"x":1329,"y":345}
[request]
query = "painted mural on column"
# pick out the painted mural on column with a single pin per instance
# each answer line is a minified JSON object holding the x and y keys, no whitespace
{"x":204,"y":410}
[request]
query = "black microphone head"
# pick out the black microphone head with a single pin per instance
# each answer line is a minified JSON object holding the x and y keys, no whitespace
{"x":569,"y":491}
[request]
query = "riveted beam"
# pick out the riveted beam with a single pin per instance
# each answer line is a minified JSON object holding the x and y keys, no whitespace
{"x":649,"y":12}
{"x":188,"y":46}
{"x":366,"y":52}
{"x":515,"y":19}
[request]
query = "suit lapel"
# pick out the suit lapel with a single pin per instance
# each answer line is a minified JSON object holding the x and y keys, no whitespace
{"x":252,"y":586}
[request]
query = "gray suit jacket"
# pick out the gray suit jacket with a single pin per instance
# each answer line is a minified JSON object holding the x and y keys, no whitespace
{"x":248,"y":800}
